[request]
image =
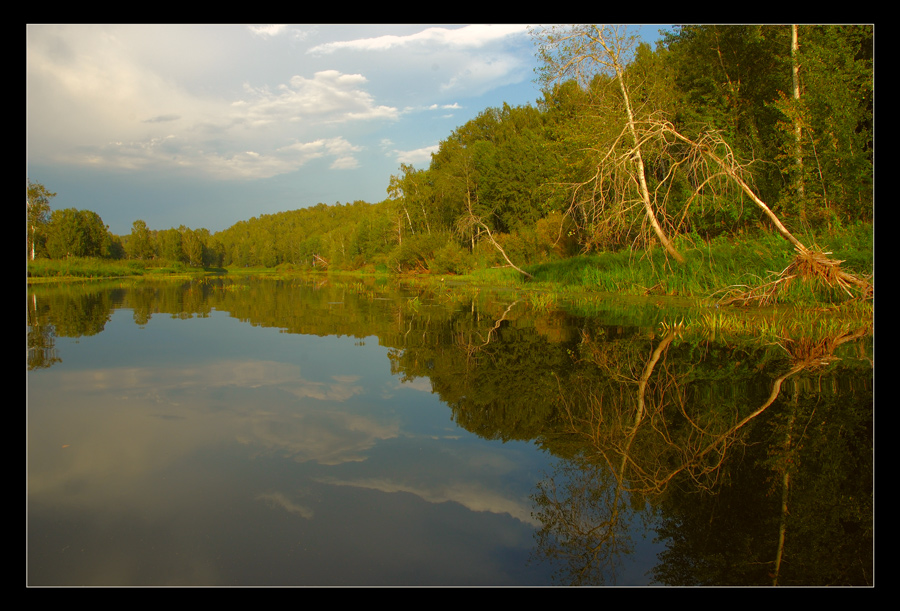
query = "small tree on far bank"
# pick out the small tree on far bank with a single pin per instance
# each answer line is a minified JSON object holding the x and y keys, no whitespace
{"x":37,"y":214}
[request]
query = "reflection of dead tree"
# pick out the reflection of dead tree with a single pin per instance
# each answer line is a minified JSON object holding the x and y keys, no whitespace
{"x":471,"y":348}
{"x":585,"y":523}
{"x":698,"y":450}
{"x":808,"y":354}
{"x":696,"y":457}
{"x":641,"y":453}
{"x":641,"y":399}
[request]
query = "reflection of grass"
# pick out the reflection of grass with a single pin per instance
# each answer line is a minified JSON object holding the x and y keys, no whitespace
{"x":772,"y":324}
{"x":542,"y":301}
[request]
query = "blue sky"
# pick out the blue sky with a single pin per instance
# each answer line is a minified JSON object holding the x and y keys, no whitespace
{"x":207,"y":125}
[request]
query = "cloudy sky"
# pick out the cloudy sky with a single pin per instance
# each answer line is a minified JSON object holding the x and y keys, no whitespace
{"x":207,"y":125}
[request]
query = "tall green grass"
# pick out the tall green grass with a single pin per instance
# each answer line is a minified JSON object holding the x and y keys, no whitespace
{"x":711,"y":267}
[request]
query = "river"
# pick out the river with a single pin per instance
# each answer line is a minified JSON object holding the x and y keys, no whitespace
{"x":322,"y":431}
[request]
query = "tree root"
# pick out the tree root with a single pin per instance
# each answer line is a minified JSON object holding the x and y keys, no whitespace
{"x":809,"y":266}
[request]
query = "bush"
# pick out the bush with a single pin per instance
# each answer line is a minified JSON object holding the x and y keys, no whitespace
{"x":451,"y":258}
{"x":416,"y":251}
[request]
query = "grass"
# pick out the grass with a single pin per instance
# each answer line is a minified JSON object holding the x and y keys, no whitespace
{"x":711,"y":269}
{"x":51,"y":270}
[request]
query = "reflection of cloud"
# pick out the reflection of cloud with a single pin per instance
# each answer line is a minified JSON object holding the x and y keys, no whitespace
{"x":146,"y":419}
{"x":141,"y":381}
{"x":278,"y":499}
{"x":475,"y":497}
{"x":326,"y":437}
{"x":423,"y":384}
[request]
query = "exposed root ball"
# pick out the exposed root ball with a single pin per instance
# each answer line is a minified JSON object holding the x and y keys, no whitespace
{"x":809,"y":266}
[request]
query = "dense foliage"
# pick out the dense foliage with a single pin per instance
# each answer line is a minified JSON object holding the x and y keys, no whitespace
{"x":535,"y":184}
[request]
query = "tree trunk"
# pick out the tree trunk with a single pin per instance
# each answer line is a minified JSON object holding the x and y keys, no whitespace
{"x":798,"y":152}
{"x":642,"y":177}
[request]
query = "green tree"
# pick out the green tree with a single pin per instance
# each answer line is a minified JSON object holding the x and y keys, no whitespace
{"x":831,"y":115}
{"x":193,"y":246}
{"x":169,"y":245}
{"x":802,"y":110}
{"x":140,"y":243}
{"x":412,"y":192}
{"x":37,"y":213}
{"x":77,"y":233}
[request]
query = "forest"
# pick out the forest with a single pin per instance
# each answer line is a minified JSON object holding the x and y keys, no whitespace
{"x":721,"y":132}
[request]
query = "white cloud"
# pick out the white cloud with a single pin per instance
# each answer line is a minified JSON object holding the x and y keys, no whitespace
{"x":469,"y":37}
{"x":94,"y":99}
{"x":479,"y":72}
{"x":416,"y":156}
{"x":344,"y":163}
{"x":266,"y":31}
{"x":329,"y":96}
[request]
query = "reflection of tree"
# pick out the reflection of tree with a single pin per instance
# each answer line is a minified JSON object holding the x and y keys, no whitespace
{"x":585,"y":522}
{"x":645,"y":422}
{"x":466,"y":341}
{"x":40,"y":346}
{"x":751,"y":488}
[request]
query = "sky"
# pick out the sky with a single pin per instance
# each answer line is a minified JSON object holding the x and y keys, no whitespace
{"x":208,"y":125}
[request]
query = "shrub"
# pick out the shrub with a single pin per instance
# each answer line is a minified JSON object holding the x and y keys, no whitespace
{"x":451,"y":258}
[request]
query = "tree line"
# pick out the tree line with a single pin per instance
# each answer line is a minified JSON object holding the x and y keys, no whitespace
{"x":628,"y":146}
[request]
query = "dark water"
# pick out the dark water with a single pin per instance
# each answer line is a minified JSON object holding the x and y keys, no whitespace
{"x":295,"y":432}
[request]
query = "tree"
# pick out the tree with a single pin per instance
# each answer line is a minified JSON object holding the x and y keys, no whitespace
{"x":140,"y":244}
{"x":706,"y":159}
{"x":586,"y":52}
{"x":77,"y":233}
{"x":37,"y":213}
{"x":833,"y":108}
{"x":193,"y":244}
{"x":169,"y":245}
{"x":802,"y":109}
{"x":412,"y":192}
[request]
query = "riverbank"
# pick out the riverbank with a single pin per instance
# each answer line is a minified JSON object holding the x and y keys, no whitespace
{"x":713,"y":270}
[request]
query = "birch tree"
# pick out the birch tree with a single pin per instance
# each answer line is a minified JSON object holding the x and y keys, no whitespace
{"x":707,"y":159}
{"x":583,"y":52}
{"x":37,"y":213}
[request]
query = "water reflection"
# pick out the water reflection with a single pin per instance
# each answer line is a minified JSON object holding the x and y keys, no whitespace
{"x":330,"y":441}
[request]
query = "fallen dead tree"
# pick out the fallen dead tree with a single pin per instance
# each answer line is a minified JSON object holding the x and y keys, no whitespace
{"x":709,"y":158}
{"x":619,"y":184}
{"x":808,"y":266}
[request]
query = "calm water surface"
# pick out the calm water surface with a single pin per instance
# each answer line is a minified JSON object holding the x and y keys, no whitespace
{"x":264,"y":432}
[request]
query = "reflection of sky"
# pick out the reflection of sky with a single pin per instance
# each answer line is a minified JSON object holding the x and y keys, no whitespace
{"x":473,"y":496}
{"x":196,"y":451}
